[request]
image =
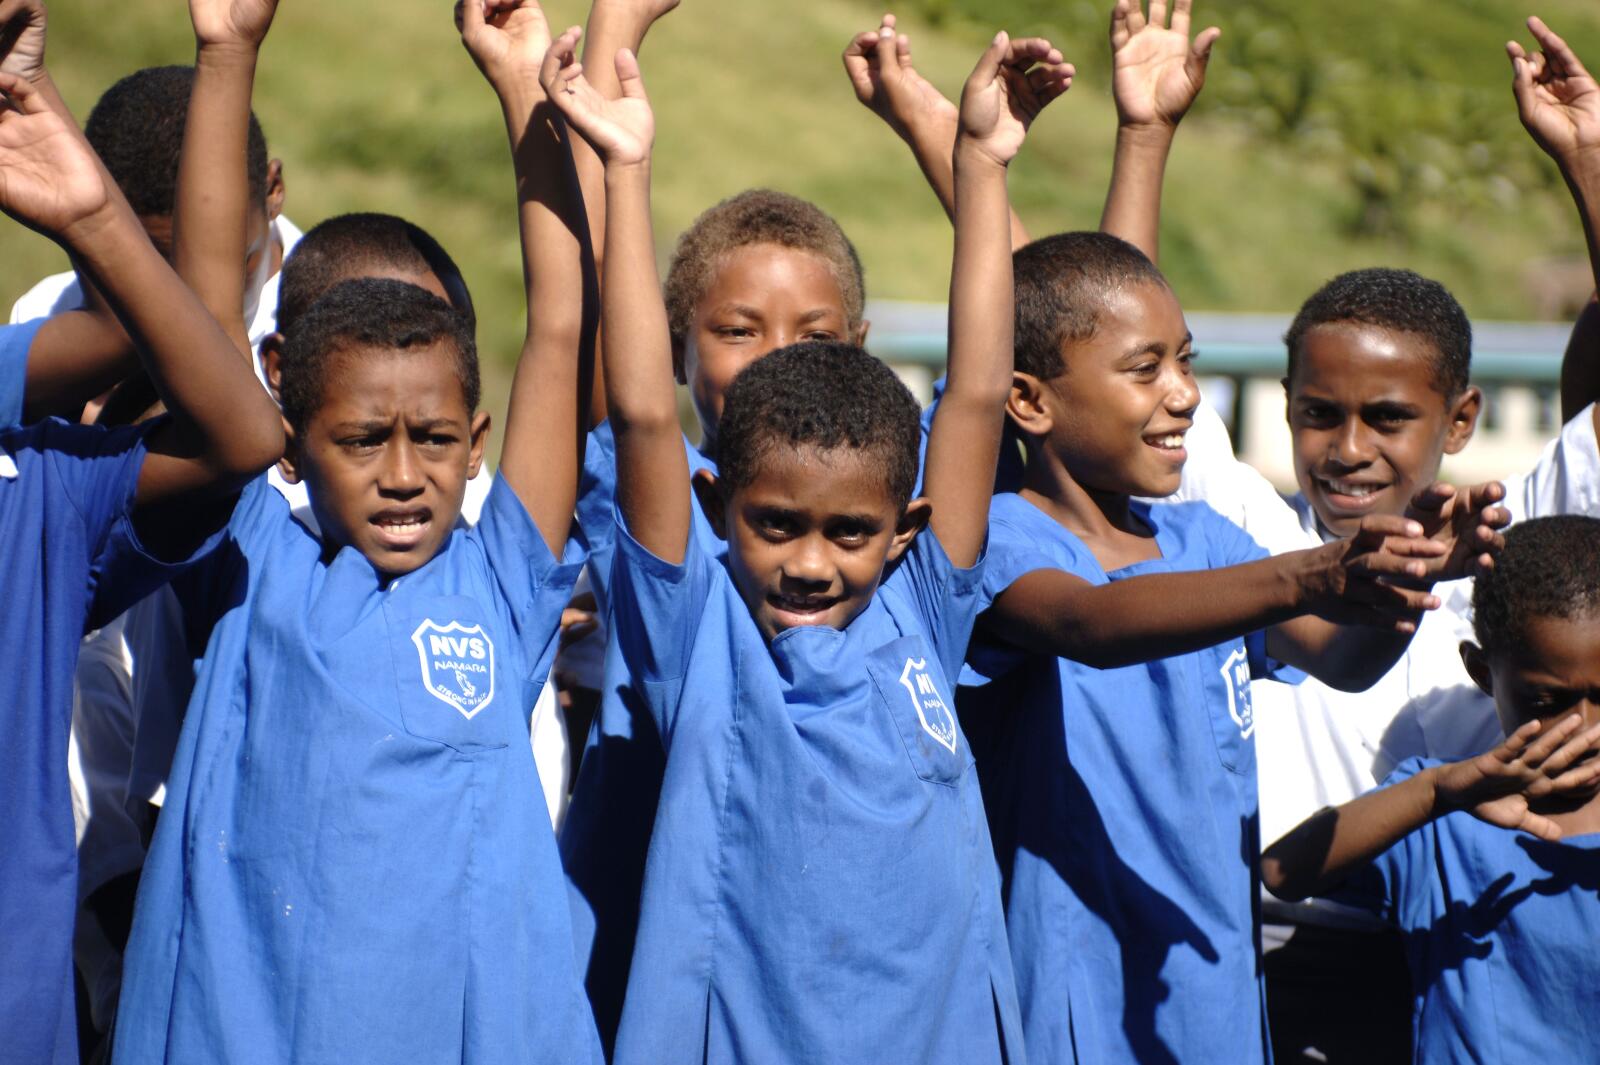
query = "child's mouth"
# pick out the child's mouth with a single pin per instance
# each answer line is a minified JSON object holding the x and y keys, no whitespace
{"x":1169,"y":444}
{"x":402,"y":529}
{"x":1350,"y":495}
{"x":792,"y":610}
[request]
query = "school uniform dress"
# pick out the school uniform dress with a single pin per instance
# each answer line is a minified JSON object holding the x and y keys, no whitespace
{"x":1500,"y":930}
{"x":354,"y":862}
{"x":607,"y":829}
{"x":73,"y":560}
{"x":1123,"y":807}
{"x":820,"y":884}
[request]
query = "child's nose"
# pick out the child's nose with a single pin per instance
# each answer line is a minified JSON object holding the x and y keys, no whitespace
{"x":808,"y":563}
{"x":402,"y":473}
{"x":1350,"y":446}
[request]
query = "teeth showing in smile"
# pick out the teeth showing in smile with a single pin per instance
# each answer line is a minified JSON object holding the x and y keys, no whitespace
{"x":1171,"y":441}
{"x":402,"y":526}
{"x":1351,"y":488}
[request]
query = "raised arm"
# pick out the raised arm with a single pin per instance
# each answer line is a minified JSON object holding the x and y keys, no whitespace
{"x":1559,"y":104}
{"x":652,"y":472}
{"x":1157,"y":72}
{"x":888,"y":84}
{"x":546,"y":416}
{"x":1002,"y":97}
{"x":1159,"y":615}
{"x":224,"y":428}
{"x":1496,"y":787}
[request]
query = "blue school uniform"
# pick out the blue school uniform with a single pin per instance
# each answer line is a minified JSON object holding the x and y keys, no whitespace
{"x":1123,"y":807}
{"x":355,"y":863}
{"x":1009,"y":467}
{"x":73,"y":561}
{"x":820,"y":884}
{"x":607,"y":831}
{"x":1500,"y":931}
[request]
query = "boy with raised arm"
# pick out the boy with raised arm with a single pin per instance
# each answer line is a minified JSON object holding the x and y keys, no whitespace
{"x":355,"y":862}
{"x":819,"y":885}
{"x":93,"y":520}
{"x":1487,"y":865}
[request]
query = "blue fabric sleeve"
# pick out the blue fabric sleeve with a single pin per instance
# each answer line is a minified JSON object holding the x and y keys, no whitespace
{"x":946,"y":598}
{"x":1381,"y":887}
{"x":597,"y":497}
{"x":533,"y":583}
{"x":98,"y":471}
{"x":1229,"y":545}
{"x":15,"y":340}
{"x":657,"y":606}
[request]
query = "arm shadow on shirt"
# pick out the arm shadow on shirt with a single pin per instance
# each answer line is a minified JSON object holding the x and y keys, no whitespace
{"x":1038,"y":804}
{"x":605,"y":842}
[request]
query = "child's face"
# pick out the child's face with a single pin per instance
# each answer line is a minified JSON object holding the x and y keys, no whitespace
{"x":388,"y":455}
{"x":1368,"y":421}
{"x":1553,"y":674}
{"x":762,"y":297}
{"x":1118,"y":414}
{"x":809,"y":537}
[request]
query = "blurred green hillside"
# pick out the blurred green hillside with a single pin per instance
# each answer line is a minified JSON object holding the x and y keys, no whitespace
{"x":1330,"y":136}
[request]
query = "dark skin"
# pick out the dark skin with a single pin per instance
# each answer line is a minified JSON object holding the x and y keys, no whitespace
{"x":1109,"y":428}
{"x":1544,"y":779}
{"x":388,"y":454}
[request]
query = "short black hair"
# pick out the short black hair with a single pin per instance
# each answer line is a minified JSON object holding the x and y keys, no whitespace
{"x":1061,"y":284}
{"x":137,"y":129}
{"x":375,"y":313}
{"x":342,"y":247}
{"x":821,"y":394}
{"x":1550,"y":568}
{"x":1400,"y":301}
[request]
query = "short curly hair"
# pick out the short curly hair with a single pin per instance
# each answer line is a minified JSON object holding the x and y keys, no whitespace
{"x":1061,"y":283}
{"x":758,"y":216}
{"x":1400,"y":301}
{"x":342,"y":248}
{"x":824,"y":395}
{"x":137,"y":130}
{"x":1550,"y":568}
{"x":372,"y":313}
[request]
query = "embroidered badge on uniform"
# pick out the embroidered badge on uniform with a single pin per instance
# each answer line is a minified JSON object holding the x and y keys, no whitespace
{"x":932,"y":710}
{"x":457,"y":664}
{"x":8,"y":467}
{"x":1236,"y":678}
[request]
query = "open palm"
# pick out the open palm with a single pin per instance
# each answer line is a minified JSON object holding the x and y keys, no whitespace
{"x":620,"y":130}
{"x":507,"y":39}
{"x":1557,"y":99}
{"x":1156,"y":70}
{"x":48,"y":176}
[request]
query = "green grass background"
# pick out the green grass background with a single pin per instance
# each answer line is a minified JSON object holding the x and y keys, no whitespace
{"x":1329,"y":136}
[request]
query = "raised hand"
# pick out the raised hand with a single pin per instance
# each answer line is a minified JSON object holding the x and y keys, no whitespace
{"x":620,"y":130}
{"x":1156,"y":70}
{"x":1538,"y":761}
{"x":49,"y":179}
{"x":232,"y":22}
{"x":1467,"y":521}
{"x":1557,"y":99}
{"x":1011,"y":84}
{"x":507,"y":39}
{"x":1362,"y":580}
{"x":888,"y":84}
{"x":22,"y":38}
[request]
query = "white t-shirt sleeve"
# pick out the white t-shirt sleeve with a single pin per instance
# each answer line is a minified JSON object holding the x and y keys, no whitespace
{"x":1236,"y":490}
{"x":1566,"y":479}
{"x":52,"y":295}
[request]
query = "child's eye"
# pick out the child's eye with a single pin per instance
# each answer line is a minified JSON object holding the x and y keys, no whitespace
{"x":1188,"y":357}
{"x":774,"y":527}
{"x":851,"y":535}
{"x":821,"y":334}
{"x":735,"y":332}
{"x":361,"y":443}
{"x":1145,"y":369}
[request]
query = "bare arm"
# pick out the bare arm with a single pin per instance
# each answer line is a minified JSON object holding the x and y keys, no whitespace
{"x":999,"y":102}
{"x":545,"y":419}
{"x":1157,"y":73}
{"x":888,"y":84}
{"x":224,"y":428}
{"x":652,"y":472}
{"x":1496,"y":787}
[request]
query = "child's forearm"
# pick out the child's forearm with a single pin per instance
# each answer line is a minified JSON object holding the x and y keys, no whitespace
{"x":1350,"y":658}
{"x":547,"y":414}
{"x":75,"y":356}
{"x":213,"y":196}
{"x":932,"y":144}
{"x":1133,"y":202}
{"x":1327,"y":847}
{"x":1580,"y":365}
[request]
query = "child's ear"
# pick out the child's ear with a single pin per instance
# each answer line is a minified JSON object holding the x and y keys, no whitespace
{"x":679,"y":361}
{"x":708,"y":489}
{"x":290,"y":464}
{"x":480,"y":437}
{"x":1464,"y":411}
{"x":275,"y":190}
{"x":272,"y":365}
{"x":913,"y":519}
{"x":1026,"y":405}
{"x":1477,"y":664}
{"x":860,"y":339}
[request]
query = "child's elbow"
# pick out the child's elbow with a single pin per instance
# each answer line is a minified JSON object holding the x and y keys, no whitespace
{"x":256,"y":446}
{"x":1278,"y":880}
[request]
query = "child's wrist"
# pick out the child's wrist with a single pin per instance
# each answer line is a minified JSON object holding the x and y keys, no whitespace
{"x":970,"y":155}
{"x":94,"y":236}
{"x":1156,"y":134}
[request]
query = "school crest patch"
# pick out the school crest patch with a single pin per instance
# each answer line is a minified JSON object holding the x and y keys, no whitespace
{"x":932,"y":710}
{"x":457,"y":664}
{"x":1236,"y":679}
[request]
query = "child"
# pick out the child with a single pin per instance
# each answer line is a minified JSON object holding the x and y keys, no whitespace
{"x":93,"y":519}
{"x":819,"y":886}
{"x":1487,"y":866}
{"x":354,"y":862}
